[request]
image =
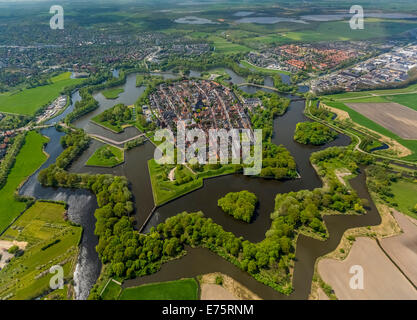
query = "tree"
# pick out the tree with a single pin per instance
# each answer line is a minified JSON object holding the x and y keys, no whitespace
{"x":118,"y":269}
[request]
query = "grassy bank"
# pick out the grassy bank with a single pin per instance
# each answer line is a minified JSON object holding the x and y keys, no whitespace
{"x":106,"y":156}
{"x":28,"y":160}
{"x":164,"y":190}
{"x":50,"y":241}
{"x":184,"y":289}
{"x":28,"y":101}
{"x":263,"y":70}
{"x":112,"y":93}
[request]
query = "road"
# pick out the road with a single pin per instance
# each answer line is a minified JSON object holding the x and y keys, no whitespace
{"x":101,"y":138}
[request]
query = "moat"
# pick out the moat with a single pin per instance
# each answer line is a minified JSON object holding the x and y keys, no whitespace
{"x":198,"y":261}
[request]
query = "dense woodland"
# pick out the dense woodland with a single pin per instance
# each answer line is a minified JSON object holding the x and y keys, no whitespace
{"x":10,"y":122}
{"x":313,"y":133}
{"x":10,"y":157}
{"x":82,"y":107}
{"x":117,"y":115}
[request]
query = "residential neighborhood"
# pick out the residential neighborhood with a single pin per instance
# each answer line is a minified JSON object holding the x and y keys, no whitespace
{"x":389,"y":67}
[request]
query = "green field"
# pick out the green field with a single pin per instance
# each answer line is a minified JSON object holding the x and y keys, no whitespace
{"x":50,"y":241}
{"x":408,"y":100}
{"x":106,"y":156}
{"x":340,"y":30}
{"x":112,"y":291}
{"x":28,"y":101}
{"x":28,"y":160}
{"x":405,"y":196}
{"x":352,"y":96}
{"x":221,"y":45}
{"x":112,"y":93}
{"x":184,"y":289}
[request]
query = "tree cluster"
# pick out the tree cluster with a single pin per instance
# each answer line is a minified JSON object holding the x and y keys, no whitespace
{"x":241,"y":205}
{"x":10,"y":158}
{"x":313,"y":133}
{"x":117,"y":115}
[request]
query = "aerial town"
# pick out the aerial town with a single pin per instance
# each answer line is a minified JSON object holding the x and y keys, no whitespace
{"x":389,"y":67}
{"x":200,"y":104}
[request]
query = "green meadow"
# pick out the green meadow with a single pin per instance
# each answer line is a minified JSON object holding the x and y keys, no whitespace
{"x":340,"y":30}
{"x":408,"y":100}
{"x":184,"y":289}
{"x":112,"y":291}
{"x":221,"y":44}
{"x":112,"y":93}
{"x":371,"y":93}
{"x":28,"y":101}
{"x":405,"y":196}
{"x":28,"y":160}
{"x":50,"y":241}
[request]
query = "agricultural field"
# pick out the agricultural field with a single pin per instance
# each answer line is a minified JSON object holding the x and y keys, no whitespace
{"x":340,"y":30}
{"x":382,"y":279}
{"x":220,"y":44}
{"x":50,"y":240}
{"x":28,"y":101}
{"x":405,"y":196}
{"x":402,"y":248}
{"x":368,"y":123}
{"x":398,"y":119}
{"x":372,"y":93}
{"x":112,"y":93}
{"x":184,"y":289}
{"x":286,"y":32}
{"x":106,"y":156}
{"x":28,"y":160}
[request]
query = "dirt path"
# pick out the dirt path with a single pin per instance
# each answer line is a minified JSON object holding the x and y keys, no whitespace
{"x":230,"y":289}
{"x":340,"y":175}
{"x":171,"y":175}
{"x":215,"y":292}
